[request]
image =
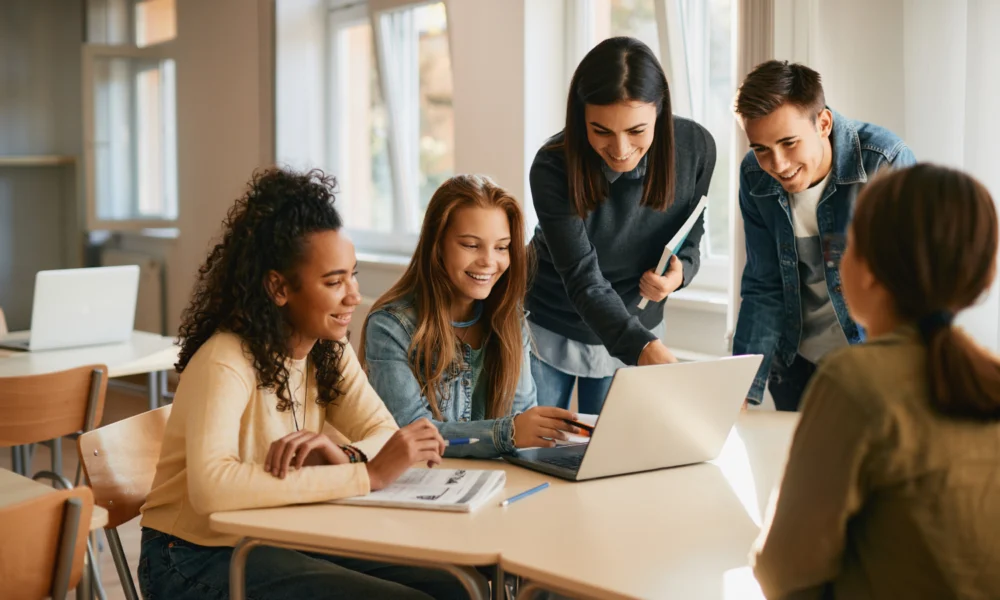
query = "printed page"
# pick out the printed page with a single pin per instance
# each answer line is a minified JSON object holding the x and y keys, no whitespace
{"x":442,"y":489}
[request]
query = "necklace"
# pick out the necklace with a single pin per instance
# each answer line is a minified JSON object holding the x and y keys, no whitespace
{"x":305,"y":398}
{"x":477,"y":313}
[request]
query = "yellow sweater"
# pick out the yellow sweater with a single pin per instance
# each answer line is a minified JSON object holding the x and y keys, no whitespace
{"x":221,"y":427}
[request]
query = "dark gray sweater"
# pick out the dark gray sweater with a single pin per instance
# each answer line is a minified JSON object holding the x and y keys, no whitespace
{"x":586,"y":287}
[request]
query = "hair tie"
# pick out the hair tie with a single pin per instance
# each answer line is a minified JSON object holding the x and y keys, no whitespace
{"x":932,"y":323}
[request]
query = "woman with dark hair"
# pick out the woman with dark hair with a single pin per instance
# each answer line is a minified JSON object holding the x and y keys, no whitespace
{"x":892,"y":488}
{"x":263,"y":367}
{"x":610,"y":191}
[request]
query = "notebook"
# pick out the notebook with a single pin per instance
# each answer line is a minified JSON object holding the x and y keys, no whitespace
{"x":579,"y":439}
{"x":456,"y":490}
{"x":677,"y":241}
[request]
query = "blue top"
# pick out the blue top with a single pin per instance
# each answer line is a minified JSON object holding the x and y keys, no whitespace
{"x":461,"y":397}
{"x":770,"y":319}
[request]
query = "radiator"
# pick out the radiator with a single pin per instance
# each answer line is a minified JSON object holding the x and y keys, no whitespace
{"x":149,"y":308}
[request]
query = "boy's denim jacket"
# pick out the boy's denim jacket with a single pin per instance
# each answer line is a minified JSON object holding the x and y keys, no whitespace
{"x":770,"y":317}
{"x":388,"y":333}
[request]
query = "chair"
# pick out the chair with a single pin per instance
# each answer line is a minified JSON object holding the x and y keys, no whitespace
{"x":38,"y":408}
{"x":43,"y":543}
{"x":120,"y":461}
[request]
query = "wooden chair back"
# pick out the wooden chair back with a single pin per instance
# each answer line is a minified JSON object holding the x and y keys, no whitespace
{"x":31,"y":547}
{"x":120,"y":462}
{"x":37,"y":408}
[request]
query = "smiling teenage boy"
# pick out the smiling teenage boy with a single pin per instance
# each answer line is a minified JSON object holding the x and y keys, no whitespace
{"x":798,"y":184}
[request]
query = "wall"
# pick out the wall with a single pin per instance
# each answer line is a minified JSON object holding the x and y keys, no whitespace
{"x":39,"y":114}
{"x":487,"y":53}
{"x":928,"y":71}
{"x":225,"y":124}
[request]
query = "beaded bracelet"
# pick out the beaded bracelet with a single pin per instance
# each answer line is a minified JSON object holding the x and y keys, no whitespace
{"x":354,"y":455}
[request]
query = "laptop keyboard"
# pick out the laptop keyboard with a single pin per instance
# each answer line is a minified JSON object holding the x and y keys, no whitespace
{"x":570,"y":461}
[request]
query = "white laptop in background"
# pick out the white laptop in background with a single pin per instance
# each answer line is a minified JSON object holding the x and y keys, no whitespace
{"x":80,"y":307}
{"x":655,"y":417}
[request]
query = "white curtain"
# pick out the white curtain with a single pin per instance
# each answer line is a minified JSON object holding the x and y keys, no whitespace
{"x":398,"y":56}
{"x":754,"y":45}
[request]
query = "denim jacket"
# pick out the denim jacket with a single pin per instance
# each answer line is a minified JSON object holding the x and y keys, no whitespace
{"x":770,"y":318}
{"x":387,"y":345}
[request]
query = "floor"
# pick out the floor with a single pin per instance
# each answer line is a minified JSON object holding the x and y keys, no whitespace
{"x":119,"y":404}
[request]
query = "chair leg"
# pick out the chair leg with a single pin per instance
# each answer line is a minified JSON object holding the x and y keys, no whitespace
{"x":57,"y":462}
{"x":27,"y":456}
{"x":121,"y":564}
{"x":95,"y":572}
{"x":15,"y":459}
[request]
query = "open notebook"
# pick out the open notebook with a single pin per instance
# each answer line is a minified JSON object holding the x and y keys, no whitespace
{"x":457,"y":490}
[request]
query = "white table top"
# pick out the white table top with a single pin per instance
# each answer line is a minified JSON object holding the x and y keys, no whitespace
{"x":144,"y":353}
{"x":16,"y":488}
{"x":674,"y":533}
{"x":677,"y":533}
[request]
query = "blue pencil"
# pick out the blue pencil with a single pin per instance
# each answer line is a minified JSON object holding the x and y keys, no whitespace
{"x":461,"y":441}
{"x":525,"y":494}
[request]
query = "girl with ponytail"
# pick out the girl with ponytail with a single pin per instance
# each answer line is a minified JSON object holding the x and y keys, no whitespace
{"x":892,"y":488}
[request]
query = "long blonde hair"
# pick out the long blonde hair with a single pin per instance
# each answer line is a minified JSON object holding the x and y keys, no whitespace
{"x":434,"y":348}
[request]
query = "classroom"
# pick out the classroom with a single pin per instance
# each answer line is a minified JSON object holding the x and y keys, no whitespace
{"x":499,"y":299}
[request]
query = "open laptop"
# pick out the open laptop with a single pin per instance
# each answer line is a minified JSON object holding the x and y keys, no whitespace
{"x":655,"y":417}
{"x":80,"y":307}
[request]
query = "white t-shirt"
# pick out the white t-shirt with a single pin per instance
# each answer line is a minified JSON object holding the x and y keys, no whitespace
{"x":821,"y":331}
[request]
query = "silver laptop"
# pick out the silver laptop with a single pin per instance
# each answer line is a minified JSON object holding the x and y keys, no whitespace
{"x":80,"y":307}
{"x":655,"y":417}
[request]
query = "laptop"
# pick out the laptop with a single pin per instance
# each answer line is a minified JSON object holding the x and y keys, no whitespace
{"x":80,"y":307}
{"x":655,"y":417}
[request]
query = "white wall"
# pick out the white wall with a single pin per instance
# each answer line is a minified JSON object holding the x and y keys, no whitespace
{"x":40,"y":221}
{"x":983,"y":127}
{"x":487,"y":54}
{"x":929,"y":71}
{"x":859,"y":54}
{"x":225,"y":123}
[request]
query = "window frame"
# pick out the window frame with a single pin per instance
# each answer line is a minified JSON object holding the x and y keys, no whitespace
{"x":406,"y":218}
{"x":714,"y":275}
{"x":90,"y":54}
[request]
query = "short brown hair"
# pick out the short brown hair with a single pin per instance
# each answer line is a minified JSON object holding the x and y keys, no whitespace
{"x":929,"y":236}
{"x":777,"y":82}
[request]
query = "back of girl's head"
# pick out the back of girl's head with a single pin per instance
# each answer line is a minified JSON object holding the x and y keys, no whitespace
{"x":426,"y":280}
{"x":928,"y":234}
{"x":265,"y":230}
{"x":619,"y":69}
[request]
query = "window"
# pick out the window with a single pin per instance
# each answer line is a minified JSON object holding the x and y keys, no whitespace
{"x":700,"y":39}
{"x":385,"y":108}
{"x":130,"y":130}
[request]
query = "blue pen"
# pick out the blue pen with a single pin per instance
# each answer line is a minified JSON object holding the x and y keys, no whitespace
{"x":524,"y":494}
{"x":461,"y":441}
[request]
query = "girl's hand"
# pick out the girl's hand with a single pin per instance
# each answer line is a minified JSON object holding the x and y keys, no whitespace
{"x":302,"y":449}
{"x":540,"y":426}
{"x":420,"y":441}
{"x":657,"y":287}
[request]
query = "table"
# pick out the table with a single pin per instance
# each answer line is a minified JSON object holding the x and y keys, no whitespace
{"x":143,"y":353}
{"x":673,"y":533}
